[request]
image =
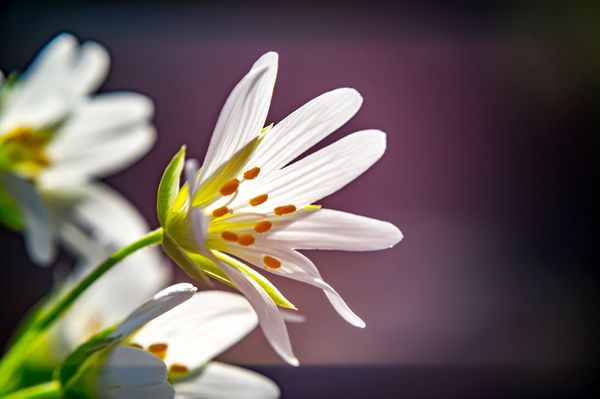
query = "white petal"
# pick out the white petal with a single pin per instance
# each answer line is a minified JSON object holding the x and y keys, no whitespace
{"x":271,"y":321}
{"x":319,"y":174}
{"x":201,"y":328}
{"x":244,"y":114}
{"x":297,"y":267}
{"x":304,"y":128}
{"x":159,"y":304}
{"x":330,"y":229}
{"x":222,"y":381}
{"x":131,"y":373}
{"x":39,"y":236}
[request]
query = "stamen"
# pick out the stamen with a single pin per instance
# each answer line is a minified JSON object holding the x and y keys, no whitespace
{"x":259,"y":199}
{"x":229,"y":236}
{"x":285,"y":209}
{"x":134,"y":345}
{"x":229,"y":187}
{"x":271,"y":262}
{"x":246,"y":240}
{"x":177,"y":368}
{"x":263,"y":227}
{"x":251,"y":173}
{"x":159,"y":350}
{"x":222,"y":211}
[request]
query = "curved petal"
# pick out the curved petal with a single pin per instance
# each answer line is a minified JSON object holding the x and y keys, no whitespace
{"x":319,"y":174}
{"x":201,"y":328}
{"x":243,"y":115}
{"x":131,"y":373}
{"x":39,"y":235}
{"x":162,"y":302}
{"x":331,"y":229}
{"x":304,"y":128}
{"x":222,"y":381}
{"x":271,"y":321}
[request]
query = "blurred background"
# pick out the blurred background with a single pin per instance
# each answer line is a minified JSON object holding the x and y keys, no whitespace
{"x":493,"y":135}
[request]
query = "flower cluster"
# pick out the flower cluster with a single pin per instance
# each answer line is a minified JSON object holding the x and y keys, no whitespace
{"x":248,"y":209}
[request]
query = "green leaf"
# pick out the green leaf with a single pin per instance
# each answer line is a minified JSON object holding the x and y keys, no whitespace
{"x":74,"y":362}
{"x":169,"y":186}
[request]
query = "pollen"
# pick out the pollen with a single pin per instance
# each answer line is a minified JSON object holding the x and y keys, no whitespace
{"x":134,"y":345}
{"x":222,"y":211}
{"x":263,"y":227}
{"x":229,"y":187}
{"x":177,"y":368}
{"x":271,"y":262}
{"x":246,"y":240}
{"x":259,"y":199}
{"x":251,"y":173}
{"x":285,"y":209}
{"x":229,"y":236}
{"x":159,"y":350}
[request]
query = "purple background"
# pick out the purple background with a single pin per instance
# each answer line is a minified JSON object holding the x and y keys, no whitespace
{"x":492,"y":144}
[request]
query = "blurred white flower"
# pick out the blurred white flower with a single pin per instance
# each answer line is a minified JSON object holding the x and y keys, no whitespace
{"x":251,"y":200}
{"x":55,"y":137}
{"x":166,"y":349}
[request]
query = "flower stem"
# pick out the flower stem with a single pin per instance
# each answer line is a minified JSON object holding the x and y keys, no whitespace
{"x":25,"y":344}
{"x":47,"y":390}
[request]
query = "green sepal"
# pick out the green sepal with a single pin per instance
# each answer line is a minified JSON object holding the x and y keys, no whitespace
{"x":10,"y":215}
{"x":169,"y":186}
{"x":79,"y":360}
{"x":179,"y":256}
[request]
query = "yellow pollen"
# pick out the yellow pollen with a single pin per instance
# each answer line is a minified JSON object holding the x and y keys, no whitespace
{"x":271,"y":262}
{"x":259,"y":199}
{"x":229,"y":187}
{"x":246,"y":240}
{"x":222,"y":211}
{"x":285,"y":209}
{"x":159,"y":350}
{"x":263,"y":227}
{"x":229,"y":236}
{"x":134,"y":345}
{"x":177,"y":368}
{"x":251,"y":173}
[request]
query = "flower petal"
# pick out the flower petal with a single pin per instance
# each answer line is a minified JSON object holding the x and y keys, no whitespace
{"x":39,"y":236}
{"x":201,"y":328}
{"x":162,"y":302}
{"x":243,"y":115}
{"x":222,"y":381}
{"x":271,"y":321}
{"x":131,"y":373}
{"x":319,"y":174}
{"x":330,"y":229}
{"x":304,"y":128}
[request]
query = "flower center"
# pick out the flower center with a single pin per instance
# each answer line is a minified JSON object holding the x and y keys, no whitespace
{"x":23,"y":150}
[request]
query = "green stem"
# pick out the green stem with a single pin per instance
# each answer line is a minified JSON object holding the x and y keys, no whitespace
{"x":26,"y":343}
{"x":47,"y":390}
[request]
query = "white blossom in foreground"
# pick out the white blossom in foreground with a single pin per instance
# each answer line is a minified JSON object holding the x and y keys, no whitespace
{"x":55,"y":137}
{"x":249,"y":204}
{"x":166,"y":346}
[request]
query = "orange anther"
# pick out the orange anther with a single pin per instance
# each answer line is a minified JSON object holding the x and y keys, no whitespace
{"x":251,"y":173}
{"x":259,"y":199}
{"x":229,"y":236}
{"x":282,"y":210}
{"x":246,"y":240}
{"x":134,"y":345}
{"x":177,"y":368}
{"x":271,"y":262}
{"x":159,"y":350}
{"x":263,"y":227}
{"x":229,"y":187}
{"x":222,"y":211}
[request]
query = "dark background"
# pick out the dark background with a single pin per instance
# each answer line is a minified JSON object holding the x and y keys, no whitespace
{"x":492,"y":116}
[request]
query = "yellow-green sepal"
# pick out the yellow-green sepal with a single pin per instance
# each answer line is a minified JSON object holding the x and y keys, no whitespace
{"x":169,"y":186}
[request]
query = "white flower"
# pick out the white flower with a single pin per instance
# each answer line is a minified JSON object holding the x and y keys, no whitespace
{"x":55,"y":137}
{"x":252,"y":201}
{"x":167,"y":345}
